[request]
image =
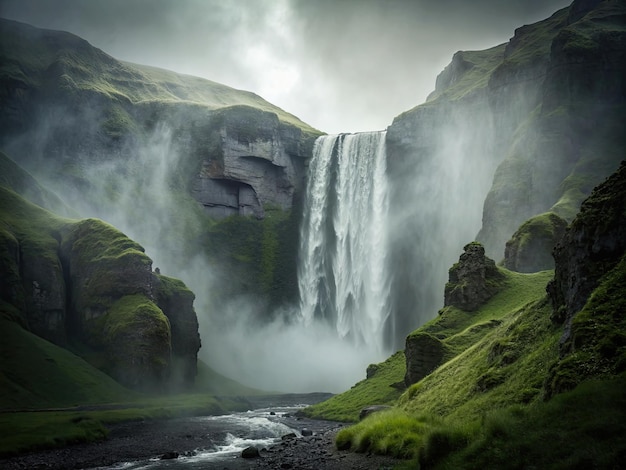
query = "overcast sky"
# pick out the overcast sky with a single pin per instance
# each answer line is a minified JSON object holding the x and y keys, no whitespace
{"x":339,"y":65}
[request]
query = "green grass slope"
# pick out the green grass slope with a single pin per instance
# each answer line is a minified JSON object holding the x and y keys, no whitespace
{"x":381,"y":388}
{"x":460,"y":332}
{"x":214,"y":383}
{"x":35,"y":374}
{"x":492,"y":405}
{"x":38,"y":58}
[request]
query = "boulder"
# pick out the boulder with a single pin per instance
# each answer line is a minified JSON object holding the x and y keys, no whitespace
{"x":250,"y":453}
{"x":369,"y":410}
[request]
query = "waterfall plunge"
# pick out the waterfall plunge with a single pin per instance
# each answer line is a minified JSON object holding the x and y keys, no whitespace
{"x":343,"y":275}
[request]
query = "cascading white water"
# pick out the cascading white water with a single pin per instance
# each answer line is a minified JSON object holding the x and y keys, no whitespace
{"x":343,"y":275}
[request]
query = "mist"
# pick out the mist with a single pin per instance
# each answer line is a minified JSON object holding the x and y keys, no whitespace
{"x":341,"y":66}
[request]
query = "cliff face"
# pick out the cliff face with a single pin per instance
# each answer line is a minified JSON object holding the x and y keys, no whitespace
{"x":238,"y":152}
{"x":587,"y":291}
{"x":521,"y":129}
{"x":570,"y":142}
{"x":591,"y":248}
{"x":85,"y":285}
{"x":258,"y":162}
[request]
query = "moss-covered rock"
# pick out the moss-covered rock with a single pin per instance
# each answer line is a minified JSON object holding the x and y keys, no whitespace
{"x":135,"y":336}
{"x":176,"y":302}
{"x":591,"y":247}
{"x":588,"y":286}
{"x":85,"y":285}
{"x":473,"y":280}
{"x":424,"y":353}
{"x":530,"y":248}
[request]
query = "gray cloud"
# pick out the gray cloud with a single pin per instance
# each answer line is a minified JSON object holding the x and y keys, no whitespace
{"x":340,"y":65}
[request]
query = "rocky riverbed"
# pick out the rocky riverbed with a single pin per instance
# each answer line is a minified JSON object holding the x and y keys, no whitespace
{"x":284,"y":441}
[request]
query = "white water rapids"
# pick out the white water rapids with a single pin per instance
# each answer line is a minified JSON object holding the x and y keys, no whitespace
{"x":259,"y":428}
{"x":343,"y":275}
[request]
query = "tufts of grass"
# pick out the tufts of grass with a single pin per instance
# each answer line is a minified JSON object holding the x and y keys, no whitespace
{"x":392,"y":432}
{"x":584,"y":428}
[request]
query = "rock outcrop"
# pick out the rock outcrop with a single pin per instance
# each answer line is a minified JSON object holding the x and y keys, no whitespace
{"x":592,"y":246}
{"x":423,"y":353}
{"x":530,"y":248}
{"x":258,"y":162}
{"x":473,"y":280}
{"x":587,"y":292}
{"x":84,"y":283}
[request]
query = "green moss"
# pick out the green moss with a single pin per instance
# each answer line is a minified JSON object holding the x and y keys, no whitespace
{"x":262,"y":253}
{"x":598,"y":338}
{"x":134,"y":327}
{"x":390,"y":432}
{"x":170,"y":286}
{"x":580,"y":429}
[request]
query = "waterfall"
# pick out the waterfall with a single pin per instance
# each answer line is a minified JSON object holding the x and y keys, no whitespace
{"x":343,"y":275}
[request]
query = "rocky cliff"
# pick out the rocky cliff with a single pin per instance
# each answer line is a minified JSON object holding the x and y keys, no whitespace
{"x":84,"y":285}
{"x":180,"y":154}
{"x":590,"y":252}
{"x":519,"y":130}
{"x":238,"y":152}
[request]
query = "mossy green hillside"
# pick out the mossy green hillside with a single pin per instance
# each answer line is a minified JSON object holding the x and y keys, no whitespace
{"x":494,"y":358}
{"x":383,"y":387}
{"x":93,"y":291}
{"x":456,"y":329}
{"x":35,"y":373}
{"x":54,"y":60}
{"x":583,"y":428}
{"x":501,"y":401}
